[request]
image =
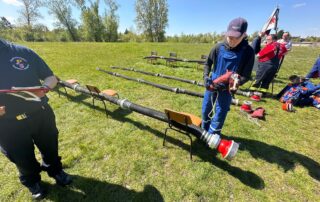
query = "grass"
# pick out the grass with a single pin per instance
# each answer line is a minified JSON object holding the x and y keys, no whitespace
{"x":121,"y":158}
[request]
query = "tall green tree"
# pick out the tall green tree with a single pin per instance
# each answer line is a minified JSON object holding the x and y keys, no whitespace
{"x":92,"y":26}
{"x":29,"y":13}
{"x":62,"y":11}
{"x":152,"y":18}
{"x":111,"y":21}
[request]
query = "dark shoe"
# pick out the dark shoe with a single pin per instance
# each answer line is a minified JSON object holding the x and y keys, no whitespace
{"x":62,"y":178}
{"x":37,"y":191}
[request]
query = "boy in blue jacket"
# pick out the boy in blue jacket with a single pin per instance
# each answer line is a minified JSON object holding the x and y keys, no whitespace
{"x":233,"y":55}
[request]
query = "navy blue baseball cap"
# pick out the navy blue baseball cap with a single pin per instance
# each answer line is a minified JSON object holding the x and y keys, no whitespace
{"x":237,"y":27}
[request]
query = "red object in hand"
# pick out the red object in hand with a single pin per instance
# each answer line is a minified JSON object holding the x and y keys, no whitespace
{"x":28,"y":89}
{"x":39,"y":91}
{"x":230,"y":79}
{"x":225,"y":78}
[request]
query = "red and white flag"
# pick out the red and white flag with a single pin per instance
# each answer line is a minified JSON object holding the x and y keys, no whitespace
{"x":272,"y":22}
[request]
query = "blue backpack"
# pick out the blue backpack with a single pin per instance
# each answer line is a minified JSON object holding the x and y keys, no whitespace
{"x":292,"y":95}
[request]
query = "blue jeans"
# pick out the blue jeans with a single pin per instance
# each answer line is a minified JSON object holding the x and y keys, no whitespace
{"x":223,"y":101}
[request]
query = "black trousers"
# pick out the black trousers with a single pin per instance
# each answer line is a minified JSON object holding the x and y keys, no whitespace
{"x":17,"y":140}
{"x":265,"y":75}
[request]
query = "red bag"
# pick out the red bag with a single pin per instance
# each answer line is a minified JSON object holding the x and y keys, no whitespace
{"x":258,"y":113}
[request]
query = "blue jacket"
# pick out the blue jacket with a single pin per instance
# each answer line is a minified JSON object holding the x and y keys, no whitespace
{"x":245,"y":64}
{"x":20,"y":67}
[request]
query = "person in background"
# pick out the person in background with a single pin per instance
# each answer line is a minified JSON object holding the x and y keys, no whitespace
{"x":285,"y":40}
{"x":300,"y":92}
{"x":269,"y":59}
{"x":25,"y":124}
{"x":233,"y":55}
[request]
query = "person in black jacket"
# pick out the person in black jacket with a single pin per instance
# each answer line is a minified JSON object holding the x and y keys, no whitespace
{"x":26,"y":124}
{"x":235,"y":55}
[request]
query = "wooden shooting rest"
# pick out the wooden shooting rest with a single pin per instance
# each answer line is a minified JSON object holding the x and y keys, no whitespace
{"x":94,"y":92}
{"x":204,"y":58}
{"x":184,"y":119}
{"x":153,"y":59}
{"x":172,"y":59}
{"x":71,"y":81}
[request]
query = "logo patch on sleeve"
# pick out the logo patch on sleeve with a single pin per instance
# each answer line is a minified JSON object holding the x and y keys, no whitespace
{"x":19,"y":63}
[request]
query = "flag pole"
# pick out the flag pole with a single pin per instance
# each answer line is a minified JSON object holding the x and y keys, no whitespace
{"x":276,"y":23}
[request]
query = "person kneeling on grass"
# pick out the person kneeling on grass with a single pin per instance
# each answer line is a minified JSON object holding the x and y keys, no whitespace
{"x":300,"y":92}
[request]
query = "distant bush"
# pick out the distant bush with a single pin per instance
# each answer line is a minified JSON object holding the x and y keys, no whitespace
{"x":41,"y":33}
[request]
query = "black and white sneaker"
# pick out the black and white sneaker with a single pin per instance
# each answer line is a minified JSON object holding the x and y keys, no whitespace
{"x":37,"y":191}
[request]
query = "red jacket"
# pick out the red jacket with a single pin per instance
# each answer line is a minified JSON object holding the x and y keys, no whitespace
{"x":270,"y":50}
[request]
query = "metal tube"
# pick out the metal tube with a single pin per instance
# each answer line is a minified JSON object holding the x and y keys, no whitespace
{"x":198,"y":83}
{"x":164,"y":87}
{"x":175,"y":59}
{"x":213,"y":140}
{"x":159,"y":75}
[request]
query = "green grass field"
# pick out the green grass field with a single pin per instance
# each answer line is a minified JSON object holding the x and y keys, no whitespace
{"x":121,"y":158}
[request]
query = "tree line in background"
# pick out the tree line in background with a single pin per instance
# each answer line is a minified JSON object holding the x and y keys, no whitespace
{"x":94,"y":26}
